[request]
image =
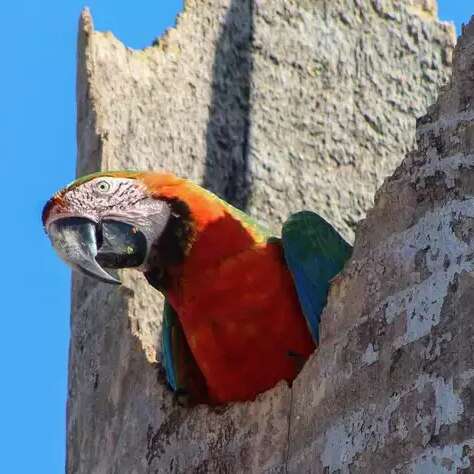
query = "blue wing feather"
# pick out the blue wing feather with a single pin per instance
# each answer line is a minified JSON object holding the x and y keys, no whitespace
{"x":182,"y":373}
{"x":169,"y":324}
{"x":314,"y":253}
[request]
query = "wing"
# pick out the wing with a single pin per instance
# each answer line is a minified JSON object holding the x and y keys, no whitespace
{"x":182,"y":373}
{"x":315,"y":253}
{"x":170,"y":340}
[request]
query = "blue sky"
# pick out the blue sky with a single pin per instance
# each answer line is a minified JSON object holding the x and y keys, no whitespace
{"x":37,"y":142}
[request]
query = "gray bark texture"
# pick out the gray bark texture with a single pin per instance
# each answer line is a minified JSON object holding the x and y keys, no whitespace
{"x":278,"y":106}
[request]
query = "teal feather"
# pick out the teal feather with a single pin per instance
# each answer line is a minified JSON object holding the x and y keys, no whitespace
{"x":168,"y":341}
{"x":315,"y":253}
{"x":182,"y":373}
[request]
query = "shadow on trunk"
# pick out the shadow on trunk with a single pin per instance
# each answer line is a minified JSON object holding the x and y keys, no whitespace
{"x":227,"y":159}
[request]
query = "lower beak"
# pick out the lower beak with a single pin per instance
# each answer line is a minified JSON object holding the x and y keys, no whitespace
{"x":89,"y":247}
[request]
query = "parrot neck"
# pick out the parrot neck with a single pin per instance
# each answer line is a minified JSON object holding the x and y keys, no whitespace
{"x":201,"y":234}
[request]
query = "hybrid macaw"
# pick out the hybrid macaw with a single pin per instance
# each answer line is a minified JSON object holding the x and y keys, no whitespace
{"x":242,"y":307}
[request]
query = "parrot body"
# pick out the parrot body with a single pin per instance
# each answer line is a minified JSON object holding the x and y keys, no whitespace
{"x":235,"y":299}
{"x":242,"y":307}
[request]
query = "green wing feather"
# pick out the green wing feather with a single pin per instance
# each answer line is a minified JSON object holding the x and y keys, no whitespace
{"x":315,"y":253}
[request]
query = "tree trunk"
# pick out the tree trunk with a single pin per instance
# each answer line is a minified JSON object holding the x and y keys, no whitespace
{"x":279,"y":106}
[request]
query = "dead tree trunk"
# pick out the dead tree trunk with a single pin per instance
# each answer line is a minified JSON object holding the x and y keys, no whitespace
{"x":279,"y":106}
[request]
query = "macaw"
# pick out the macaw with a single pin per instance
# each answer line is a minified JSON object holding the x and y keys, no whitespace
{"x":242,"y":307}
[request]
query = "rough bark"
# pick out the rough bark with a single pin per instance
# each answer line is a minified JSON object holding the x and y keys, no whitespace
{"x":394,"y":377}
{"x":279,"y":106}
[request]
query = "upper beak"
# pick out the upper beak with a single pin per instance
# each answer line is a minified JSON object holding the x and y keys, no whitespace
{"x":88,"y":247}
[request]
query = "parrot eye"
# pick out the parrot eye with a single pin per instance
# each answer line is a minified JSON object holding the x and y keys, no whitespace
{"x":103,"y":186}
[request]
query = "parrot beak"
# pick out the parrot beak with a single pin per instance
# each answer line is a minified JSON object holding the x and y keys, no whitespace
{"x":90,"y":247}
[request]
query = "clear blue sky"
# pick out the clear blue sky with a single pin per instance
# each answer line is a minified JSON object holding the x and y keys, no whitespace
{"x":37,"y":142}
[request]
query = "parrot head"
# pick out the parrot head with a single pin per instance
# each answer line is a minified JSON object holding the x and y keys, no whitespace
{"x":105,"y":221}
